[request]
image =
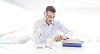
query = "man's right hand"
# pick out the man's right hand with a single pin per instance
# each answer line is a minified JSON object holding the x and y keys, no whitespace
{"x":41,"y":23}
{"x":58,"y":38}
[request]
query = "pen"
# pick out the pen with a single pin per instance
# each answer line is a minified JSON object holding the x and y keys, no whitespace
{"x":48,"y":47}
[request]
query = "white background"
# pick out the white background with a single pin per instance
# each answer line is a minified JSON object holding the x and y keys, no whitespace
{"x":80,"y":16}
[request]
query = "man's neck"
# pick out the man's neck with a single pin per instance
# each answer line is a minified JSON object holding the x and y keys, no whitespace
{"x":47,"y":23}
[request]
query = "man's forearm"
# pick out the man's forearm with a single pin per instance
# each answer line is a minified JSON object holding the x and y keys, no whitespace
{"x":37,"y":35}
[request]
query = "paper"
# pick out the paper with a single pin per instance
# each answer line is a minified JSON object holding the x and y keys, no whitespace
{"x":72,"y":41}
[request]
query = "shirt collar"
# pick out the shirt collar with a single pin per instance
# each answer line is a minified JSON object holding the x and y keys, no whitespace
{"x":53,"y":22}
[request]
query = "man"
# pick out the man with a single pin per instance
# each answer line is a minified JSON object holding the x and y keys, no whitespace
{"x":48,"y":27}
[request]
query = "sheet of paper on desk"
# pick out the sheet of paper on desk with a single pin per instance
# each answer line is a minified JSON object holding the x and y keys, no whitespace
{"x":72,"y":41}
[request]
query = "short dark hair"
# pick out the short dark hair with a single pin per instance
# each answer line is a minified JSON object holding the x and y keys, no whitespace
{"x":50,"y":8}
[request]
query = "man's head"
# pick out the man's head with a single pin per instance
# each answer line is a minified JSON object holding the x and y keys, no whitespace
{"x":49,"y":14}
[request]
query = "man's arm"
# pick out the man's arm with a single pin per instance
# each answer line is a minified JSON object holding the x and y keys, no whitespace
{"x":67,"y":33}
{"x":37,"y":32}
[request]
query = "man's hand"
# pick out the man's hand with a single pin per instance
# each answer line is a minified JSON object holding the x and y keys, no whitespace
{"x":58,"y":38}
{"x":41,"y":23}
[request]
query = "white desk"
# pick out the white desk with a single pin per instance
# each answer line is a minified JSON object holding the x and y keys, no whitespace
{"x":30,"y":48}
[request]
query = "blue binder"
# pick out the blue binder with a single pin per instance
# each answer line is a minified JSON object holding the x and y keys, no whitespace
{"x":72,"y":45}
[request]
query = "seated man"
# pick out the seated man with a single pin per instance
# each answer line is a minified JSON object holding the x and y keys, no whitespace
{"x":48,"y":27}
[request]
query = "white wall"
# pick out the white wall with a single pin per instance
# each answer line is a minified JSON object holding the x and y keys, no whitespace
{"x":14,"y":18}
{"x":32,"y":4}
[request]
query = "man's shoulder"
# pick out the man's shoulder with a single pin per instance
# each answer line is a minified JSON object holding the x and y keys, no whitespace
{"x":37,"y":21}
{"x":57,"y":21}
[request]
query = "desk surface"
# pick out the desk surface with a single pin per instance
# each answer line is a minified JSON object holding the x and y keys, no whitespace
{"x":30,"y":48}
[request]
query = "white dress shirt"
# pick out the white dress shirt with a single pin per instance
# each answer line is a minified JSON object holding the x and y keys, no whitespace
{"x":40,"y":34}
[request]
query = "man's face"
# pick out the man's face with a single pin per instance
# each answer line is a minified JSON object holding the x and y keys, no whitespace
{"x":49,"y":17}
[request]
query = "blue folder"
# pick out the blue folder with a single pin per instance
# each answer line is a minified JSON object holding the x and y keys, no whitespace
{"x":72,"y":45}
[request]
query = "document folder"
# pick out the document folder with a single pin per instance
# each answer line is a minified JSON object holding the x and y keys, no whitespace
{"x":72,"y":43}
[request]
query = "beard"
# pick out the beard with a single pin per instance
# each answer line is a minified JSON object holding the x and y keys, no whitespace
{"x":49,"y":22}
